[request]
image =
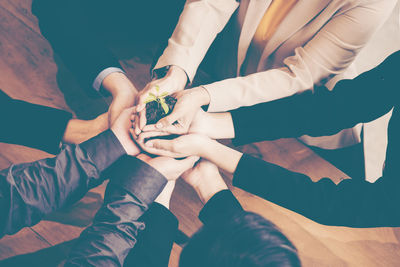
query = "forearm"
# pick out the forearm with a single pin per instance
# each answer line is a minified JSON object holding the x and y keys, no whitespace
{"x":323,"y":112}
{"x":32,"y":125}
{"x":133,"y":187}
{"x":198,"y":25}
{"x":223,"y":156}
{"x":30,"y":191}
{"x":156,"y":239}
{"x":374,"y":205}
{"x":326,"y":54}
{"x":213,"y":125}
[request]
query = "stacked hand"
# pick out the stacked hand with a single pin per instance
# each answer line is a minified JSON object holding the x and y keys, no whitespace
{"x":173,"y":82}
{"x":172,"y":169}
{"x":197,"y":128}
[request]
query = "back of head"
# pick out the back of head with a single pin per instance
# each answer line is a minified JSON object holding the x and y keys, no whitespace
{"x":248,"y":240}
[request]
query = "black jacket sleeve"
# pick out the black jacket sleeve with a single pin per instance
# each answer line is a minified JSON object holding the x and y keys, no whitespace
{"x":353,"y":203}
{"x":321,"y":112}
{"x":222,"y":206}
{"x":155,"y":242}
{"x":32,"y":125}
{"x":29,"y":191}
{"x":132,"y":188}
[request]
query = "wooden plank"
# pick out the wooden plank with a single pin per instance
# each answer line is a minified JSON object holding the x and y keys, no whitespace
{"x":25,"y":241}
{"x":46,"y":257}
{"x":30,"y":73}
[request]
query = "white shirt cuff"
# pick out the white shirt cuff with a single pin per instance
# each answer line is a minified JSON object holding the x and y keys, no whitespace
{"x":102,"y":75}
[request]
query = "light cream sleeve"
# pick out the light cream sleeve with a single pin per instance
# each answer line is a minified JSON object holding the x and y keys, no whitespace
{"x":198,"y":25}
{"x":329,"y":53}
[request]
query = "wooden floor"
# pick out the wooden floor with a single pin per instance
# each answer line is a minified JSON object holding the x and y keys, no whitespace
{"x":28,"y":71}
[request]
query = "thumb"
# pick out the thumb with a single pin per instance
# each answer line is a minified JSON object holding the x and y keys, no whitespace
{"x":167,"y":145}
{"x":168,"y":120}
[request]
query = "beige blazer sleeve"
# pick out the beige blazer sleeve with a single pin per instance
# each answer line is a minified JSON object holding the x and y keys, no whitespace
{"x":329,"y":53}
{"x":198,"y":25}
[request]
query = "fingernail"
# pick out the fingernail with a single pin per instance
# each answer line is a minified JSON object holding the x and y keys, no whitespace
{"x":159,"y":125}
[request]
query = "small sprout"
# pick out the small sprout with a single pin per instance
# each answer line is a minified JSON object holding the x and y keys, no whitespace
{"x":164,"y":105}
{"x":159,"y":98}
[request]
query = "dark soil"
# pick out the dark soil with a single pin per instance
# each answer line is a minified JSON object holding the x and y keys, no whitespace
{"x":155,"y":112}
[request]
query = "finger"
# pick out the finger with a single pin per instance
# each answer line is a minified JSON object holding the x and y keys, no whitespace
{"x":157,"y":147}
{"x":142,"y":119}
{"x":168,"y":120}
{"x":140,"y":107}
{"x":166,"y":145}
{"x":137,"y":128}
{"x":176,"y":128}
{"x":146,"y":135}
{"x":160,"y":152}
{"x":151,"y":128}
{"x":133,"y":134}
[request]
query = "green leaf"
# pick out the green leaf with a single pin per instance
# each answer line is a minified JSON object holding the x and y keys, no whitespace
{"x":152,"y":95}
{"x":157,"y":88}
{"x":163,"y":94}
{"x":150,"y":99}
{"x":164,"y":106}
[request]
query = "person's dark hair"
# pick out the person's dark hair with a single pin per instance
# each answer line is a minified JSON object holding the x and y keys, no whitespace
{"x":248,"y":240}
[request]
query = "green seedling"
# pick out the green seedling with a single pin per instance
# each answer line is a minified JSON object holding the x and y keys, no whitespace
{"x":158,"y":98}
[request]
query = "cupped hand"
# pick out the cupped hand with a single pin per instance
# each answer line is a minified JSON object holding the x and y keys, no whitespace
{"x":174,"y":81}
{"x":122,"y":127}
{"x":188,"y":104}
{"x":169,"y":167}
{"x":123,"y":92}
{"x":182,"y":146}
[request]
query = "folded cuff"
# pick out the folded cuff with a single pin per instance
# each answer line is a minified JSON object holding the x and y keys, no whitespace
{"x":98,"y":81}
{"x":103,"y":149}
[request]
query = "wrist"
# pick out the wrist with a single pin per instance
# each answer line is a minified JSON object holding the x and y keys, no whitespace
{"x":203,"y":96}
{"x":206,"y":147}
{"x":178,"y":75}
{"x":219,"y":125}
{"x":118,"y":84}
{"x":206,"y":191}
{"x":126,"y":142}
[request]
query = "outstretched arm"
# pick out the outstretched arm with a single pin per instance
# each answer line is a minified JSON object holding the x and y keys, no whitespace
{"x":317,"y":113}
{"x":352,"y":203}
{"x":29,"y":191}
{"x":112,"y":235}
{"x":323,"y":112}
{"x":133,"y":187}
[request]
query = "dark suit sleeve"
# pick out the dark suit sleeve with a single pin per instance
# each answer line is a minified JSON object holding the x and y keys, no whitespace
{"x":155,"y":242}
{"x":321,"y":112}
{"x":75,"y":37}
{"x":221,"y":207}
{"x":132,"y":188}
{"x":31,"y":125}
{"x":352,"y":203}
{"x":29,"y":191}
